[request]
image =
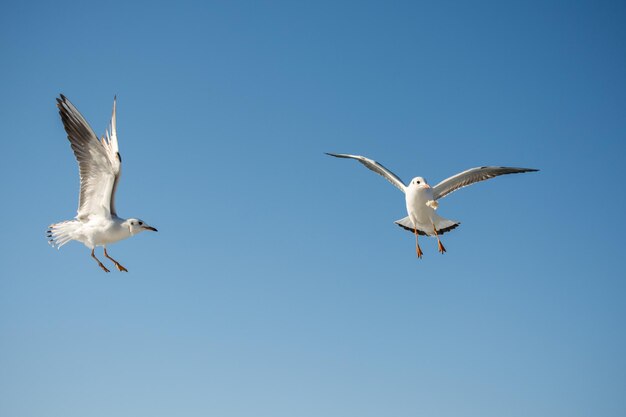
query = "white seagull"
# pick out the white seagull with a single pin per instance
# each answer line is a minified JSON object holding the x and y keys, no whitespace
{"x":99,"y":162}
{"x":421,"y":198}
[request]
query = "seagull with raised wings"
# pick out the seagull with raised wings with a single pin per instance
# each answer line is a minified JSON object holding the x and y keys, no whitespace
{"x":99,"y":163}
{"x":421,"y":198}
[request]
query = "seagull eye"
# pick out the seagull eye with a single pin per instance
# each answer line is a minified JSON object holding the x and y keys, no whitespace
{"x":418,"y":182}
{"x":140,"y":223}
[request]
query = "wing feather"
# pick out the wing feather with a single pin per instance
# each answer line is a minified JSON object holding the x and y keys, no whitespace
{"x":98,"y":166}
{"x":376,"y":167}
{"x":109,"y":141}
{"x":472,"y":176}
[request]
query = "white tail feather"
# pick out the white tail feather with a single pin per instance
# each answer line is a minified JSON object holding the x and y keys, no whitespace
{"x":443,"y":226}
{"x":61,"y":233}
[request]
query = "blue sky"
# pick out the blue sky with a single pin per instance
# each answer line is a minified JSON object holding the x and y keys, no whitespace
{"x":278,"y":284}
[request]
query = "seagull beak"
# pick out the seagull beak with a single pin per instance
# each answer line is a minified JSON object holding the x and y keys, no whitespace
{"x":426,"y":186}
{"x":150,"y":228}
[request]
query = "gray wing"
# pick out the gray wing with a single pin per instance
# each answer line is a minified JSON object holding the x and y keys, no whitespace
{"x":376,"y":167}
{"x":98,"y":167}
{"x":472,"y":176}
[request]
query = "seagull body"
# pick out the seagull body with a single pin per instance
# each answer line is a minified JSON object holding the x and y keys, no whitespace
{"x":99,"y":161}
{"x":422,"y":199}
{"x":421,"y":206}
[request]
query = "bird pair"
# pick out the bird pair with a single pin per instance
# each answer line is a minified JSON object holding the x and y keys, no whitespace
{"x":100,"y":162}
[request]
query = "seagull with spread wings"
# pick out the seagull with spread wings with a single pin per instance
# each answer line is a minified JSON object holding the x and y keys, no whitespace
{"x":421,"y":198}
{"x":99,"y":164}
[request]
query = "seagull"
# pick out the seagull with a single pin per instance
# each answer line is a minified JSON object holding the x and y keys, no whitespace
{"x":99,"y":163}
{"x":421,"y":198}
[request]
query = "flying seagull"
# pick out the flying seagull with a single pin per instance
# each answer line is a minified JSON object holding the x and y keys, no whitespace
{"x":421,"y":198}
{"x":99,"y":165}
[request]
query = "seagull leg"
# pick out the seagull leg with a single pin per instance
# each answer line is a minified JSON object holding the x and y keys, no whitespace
{"x":104,"y":268}
{"x":117,"y":264}
{"x":417,"y":245}
{"x":441,"y":248}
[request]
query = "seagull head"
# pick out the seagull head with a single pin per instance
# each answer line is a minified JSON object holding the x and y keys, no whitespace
{"x":419,"y":182}
{"x":137,"y":225}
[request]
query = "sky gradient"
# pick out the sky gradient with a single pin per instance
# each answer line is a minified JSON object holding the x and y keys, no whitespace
{"x":277,"y":284}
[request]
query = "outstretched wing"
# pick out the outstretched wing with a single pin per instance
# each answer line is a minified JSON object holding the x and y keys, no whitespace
{"x":109,"y":141}
{"x":376,"y":167}
{"x":472,"y":176}
{"x":99,"y":162}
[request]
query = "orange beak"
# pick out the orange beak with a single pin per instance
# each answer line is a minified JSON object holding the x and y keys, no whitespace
{"x":426,"y":186}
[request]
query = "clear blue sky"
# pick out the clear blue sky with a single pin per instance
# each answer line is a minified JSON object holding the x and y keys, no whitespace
{"x":278,"y":284}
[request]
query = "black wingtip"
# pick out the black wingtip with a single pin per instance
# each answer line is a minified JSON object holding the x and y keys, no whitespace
{"x":62,"y":101}
{"x":517,"y":170}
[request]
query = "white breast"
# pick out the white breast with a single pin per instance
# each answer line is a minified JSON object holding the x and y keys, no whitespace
{"x":416,"y":207}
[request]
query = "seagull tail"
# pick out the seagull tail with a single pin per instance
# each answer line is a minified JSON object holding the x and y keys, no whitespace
{"x":60,"y":233}
{"x":443,"y":226}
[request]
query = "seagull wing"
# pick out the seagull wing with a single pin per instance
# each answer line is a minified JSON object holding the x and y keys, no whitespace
{"x":472,"y":176}
{"x":113,"y":151}
{"x":99,"y":161}
{"x":376,"y":167}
